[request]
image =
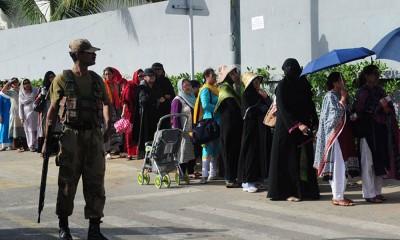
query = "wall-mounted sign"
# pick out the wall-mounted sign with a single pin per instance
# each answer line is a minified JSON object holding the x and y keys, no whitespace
{"x":257,"y":23}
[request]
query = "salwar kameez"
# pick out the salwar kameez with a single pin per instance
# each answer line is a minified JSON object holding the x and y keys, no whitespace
{"x":379,"y":147}
{"x":206,"y":102}
{"x":5,"y":105}
{"x":16,"y":129}
{"x":335,"y":148}
{"x":30,"y":117}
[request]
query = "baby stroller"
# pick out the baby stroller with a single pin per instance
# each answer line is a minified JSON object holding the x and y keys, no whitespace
{"x":161,"y":155}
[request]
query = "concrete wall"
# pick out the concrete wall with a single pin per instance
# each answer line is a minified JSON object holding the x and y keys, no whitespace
{"x":137,"y":37}
{"x":306,"y":29}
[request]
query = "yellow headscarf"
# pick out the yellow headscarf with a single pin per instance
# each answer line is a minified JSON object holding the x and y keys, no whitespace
{"x":198,"y":108}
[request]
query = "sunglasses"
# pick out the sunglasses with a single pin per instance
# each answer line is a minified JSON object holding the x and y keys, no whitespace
{"x":26,"y":83}
{"x":141,"y":75}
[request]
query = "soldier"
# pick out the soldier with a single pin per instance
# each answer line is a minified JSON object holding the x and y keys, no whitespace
{"x":79,"y":98}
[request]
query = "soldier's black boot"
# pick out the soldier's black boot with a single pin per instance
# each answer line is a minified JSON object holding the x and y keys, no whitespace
{"x":64,"y":232}
{"x":94,"y":230}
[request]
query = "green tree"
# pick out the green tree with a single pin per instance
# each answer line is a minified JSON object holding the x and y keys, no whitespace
{"x":6,"y":7}
{"x":36,"y":11}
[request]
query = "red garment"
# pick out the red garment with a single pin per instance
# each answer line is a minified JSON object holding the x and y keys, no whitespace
{"x":119,"y":79}
{"x":128,"y":97}
{"x":115,"y":95}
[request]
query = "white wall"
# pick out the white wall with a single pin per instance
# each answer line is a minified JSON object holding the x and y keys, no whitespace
{"x":306,"y":29}
{"x":137,"y":37}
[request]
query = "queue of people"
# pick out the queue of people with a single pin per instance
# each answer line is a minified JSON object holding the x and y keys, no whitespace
{"x":248,"y":152}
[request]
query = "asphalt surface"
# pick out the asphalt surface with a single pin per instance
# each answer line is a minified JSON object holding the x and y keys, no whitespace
{"x":192,"y":211}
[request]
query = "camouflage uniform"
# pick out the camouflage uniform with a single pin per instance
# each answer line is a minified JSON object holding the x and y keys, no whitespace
{"x":81,"y":153}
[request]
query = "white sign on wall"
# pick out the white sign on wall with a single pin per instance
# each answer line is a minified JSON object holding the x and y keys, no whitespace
{"x":257,"y":23}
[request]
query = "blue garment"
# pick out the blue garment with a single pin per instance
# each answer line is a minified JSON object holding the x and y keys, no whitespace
{"x":5,"y":105}
{"x":209,"y":106}
{"x":210,"y":149}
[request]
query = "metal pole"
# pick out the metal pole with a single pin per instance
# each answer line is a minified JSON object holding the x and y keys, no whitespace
{"x":190,"y":5}
{"x":235,"y":32}
{"x":235,"y":38}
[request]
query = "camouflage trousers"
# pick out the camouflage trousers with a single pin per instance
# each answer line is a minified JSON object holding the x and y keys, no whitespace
{"x":81,"y":154}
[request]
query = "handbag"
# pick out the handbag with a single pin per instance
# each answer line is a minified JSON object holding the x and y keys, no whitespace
{"x":205,"y":131}
{"x":38,"y":104}
{"x":270,"y":117}
{"x":123,"y":126}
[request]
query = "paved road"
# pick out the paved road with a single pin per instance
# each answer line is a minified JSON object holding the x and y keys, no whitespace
{"x":186,"y":212}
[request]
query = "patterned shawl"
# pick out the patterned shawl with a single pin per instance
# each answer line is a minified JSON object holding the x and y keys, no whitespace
{"x":331,"y":123}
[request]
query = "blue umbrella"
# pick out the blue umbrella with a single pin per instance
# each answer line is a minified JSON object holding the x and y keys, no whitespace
{"x":335,"y":58}
{"x":389,"y":46}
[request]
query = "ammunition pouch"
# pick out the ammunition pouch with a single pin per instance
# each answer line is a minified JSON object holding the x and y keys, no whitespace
{"x":71,"y":107}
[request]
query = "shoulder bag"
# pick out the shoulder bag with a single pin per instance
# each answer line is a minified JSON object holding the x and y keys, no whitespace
{"x":270,"y":117}
{"x":206,"y":130}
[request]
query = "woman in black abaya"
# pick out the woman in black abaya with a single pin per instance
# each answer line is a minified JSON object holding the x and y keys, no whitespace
{"x":149,"y":99}
{"x":296,"y":118}
{"x":256,"y":137}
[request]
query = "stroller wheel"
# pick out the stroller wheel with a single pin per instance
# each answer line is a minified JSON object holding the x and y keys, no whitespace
{"x":177,"y":179}
{"x":140,"y":178}
{"x":146,"y":178}
{"x":167,"y":181}
{"x":187,"y":179}
{"x":158,"y":181}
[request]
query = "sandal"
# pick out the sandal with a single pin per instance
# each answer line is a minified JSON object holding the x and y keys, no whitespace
{"x":343,"y":203}
{"x":374,"y":200}
{"x":349,"y":200}
{"x":20,"y":150}
{"x":293,"y":199}
{"x":381,"y":197}
{"x":232,"y":185}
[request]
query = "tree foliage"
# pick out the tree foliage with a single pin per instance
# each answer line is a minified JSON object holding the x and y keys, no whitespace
{"x":36,"y":11}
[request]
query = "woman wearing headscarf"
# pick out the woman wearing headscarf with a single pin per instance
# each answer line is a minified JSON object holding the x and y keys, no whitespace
{"x":48,"y":78}
{"x":5,"y":106}
{"x":229,"y":107}
{"x":204,"y":108}
{"x":296,"y":118}
{"x":336,"y":154}
{"x":16,"y":132}
{"x":167,"y":89}
{"x":379,"y":143}
{"x":149,"y":99}
{"x":114,"y":93}
{"x":29,"y":118}
{"x":128,"y":110}
{"x":256,"y":138}
{"x":184,"y":103}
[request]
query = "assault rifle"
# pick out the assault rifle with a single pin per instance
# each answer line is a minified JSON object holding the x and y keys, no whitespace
{"x":44,"y":170}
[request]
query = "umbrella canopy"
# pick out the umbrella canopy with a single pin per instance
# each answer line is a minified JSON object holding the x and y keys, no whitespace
{"x":335,"y":58}
{"x":389,"y":46}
